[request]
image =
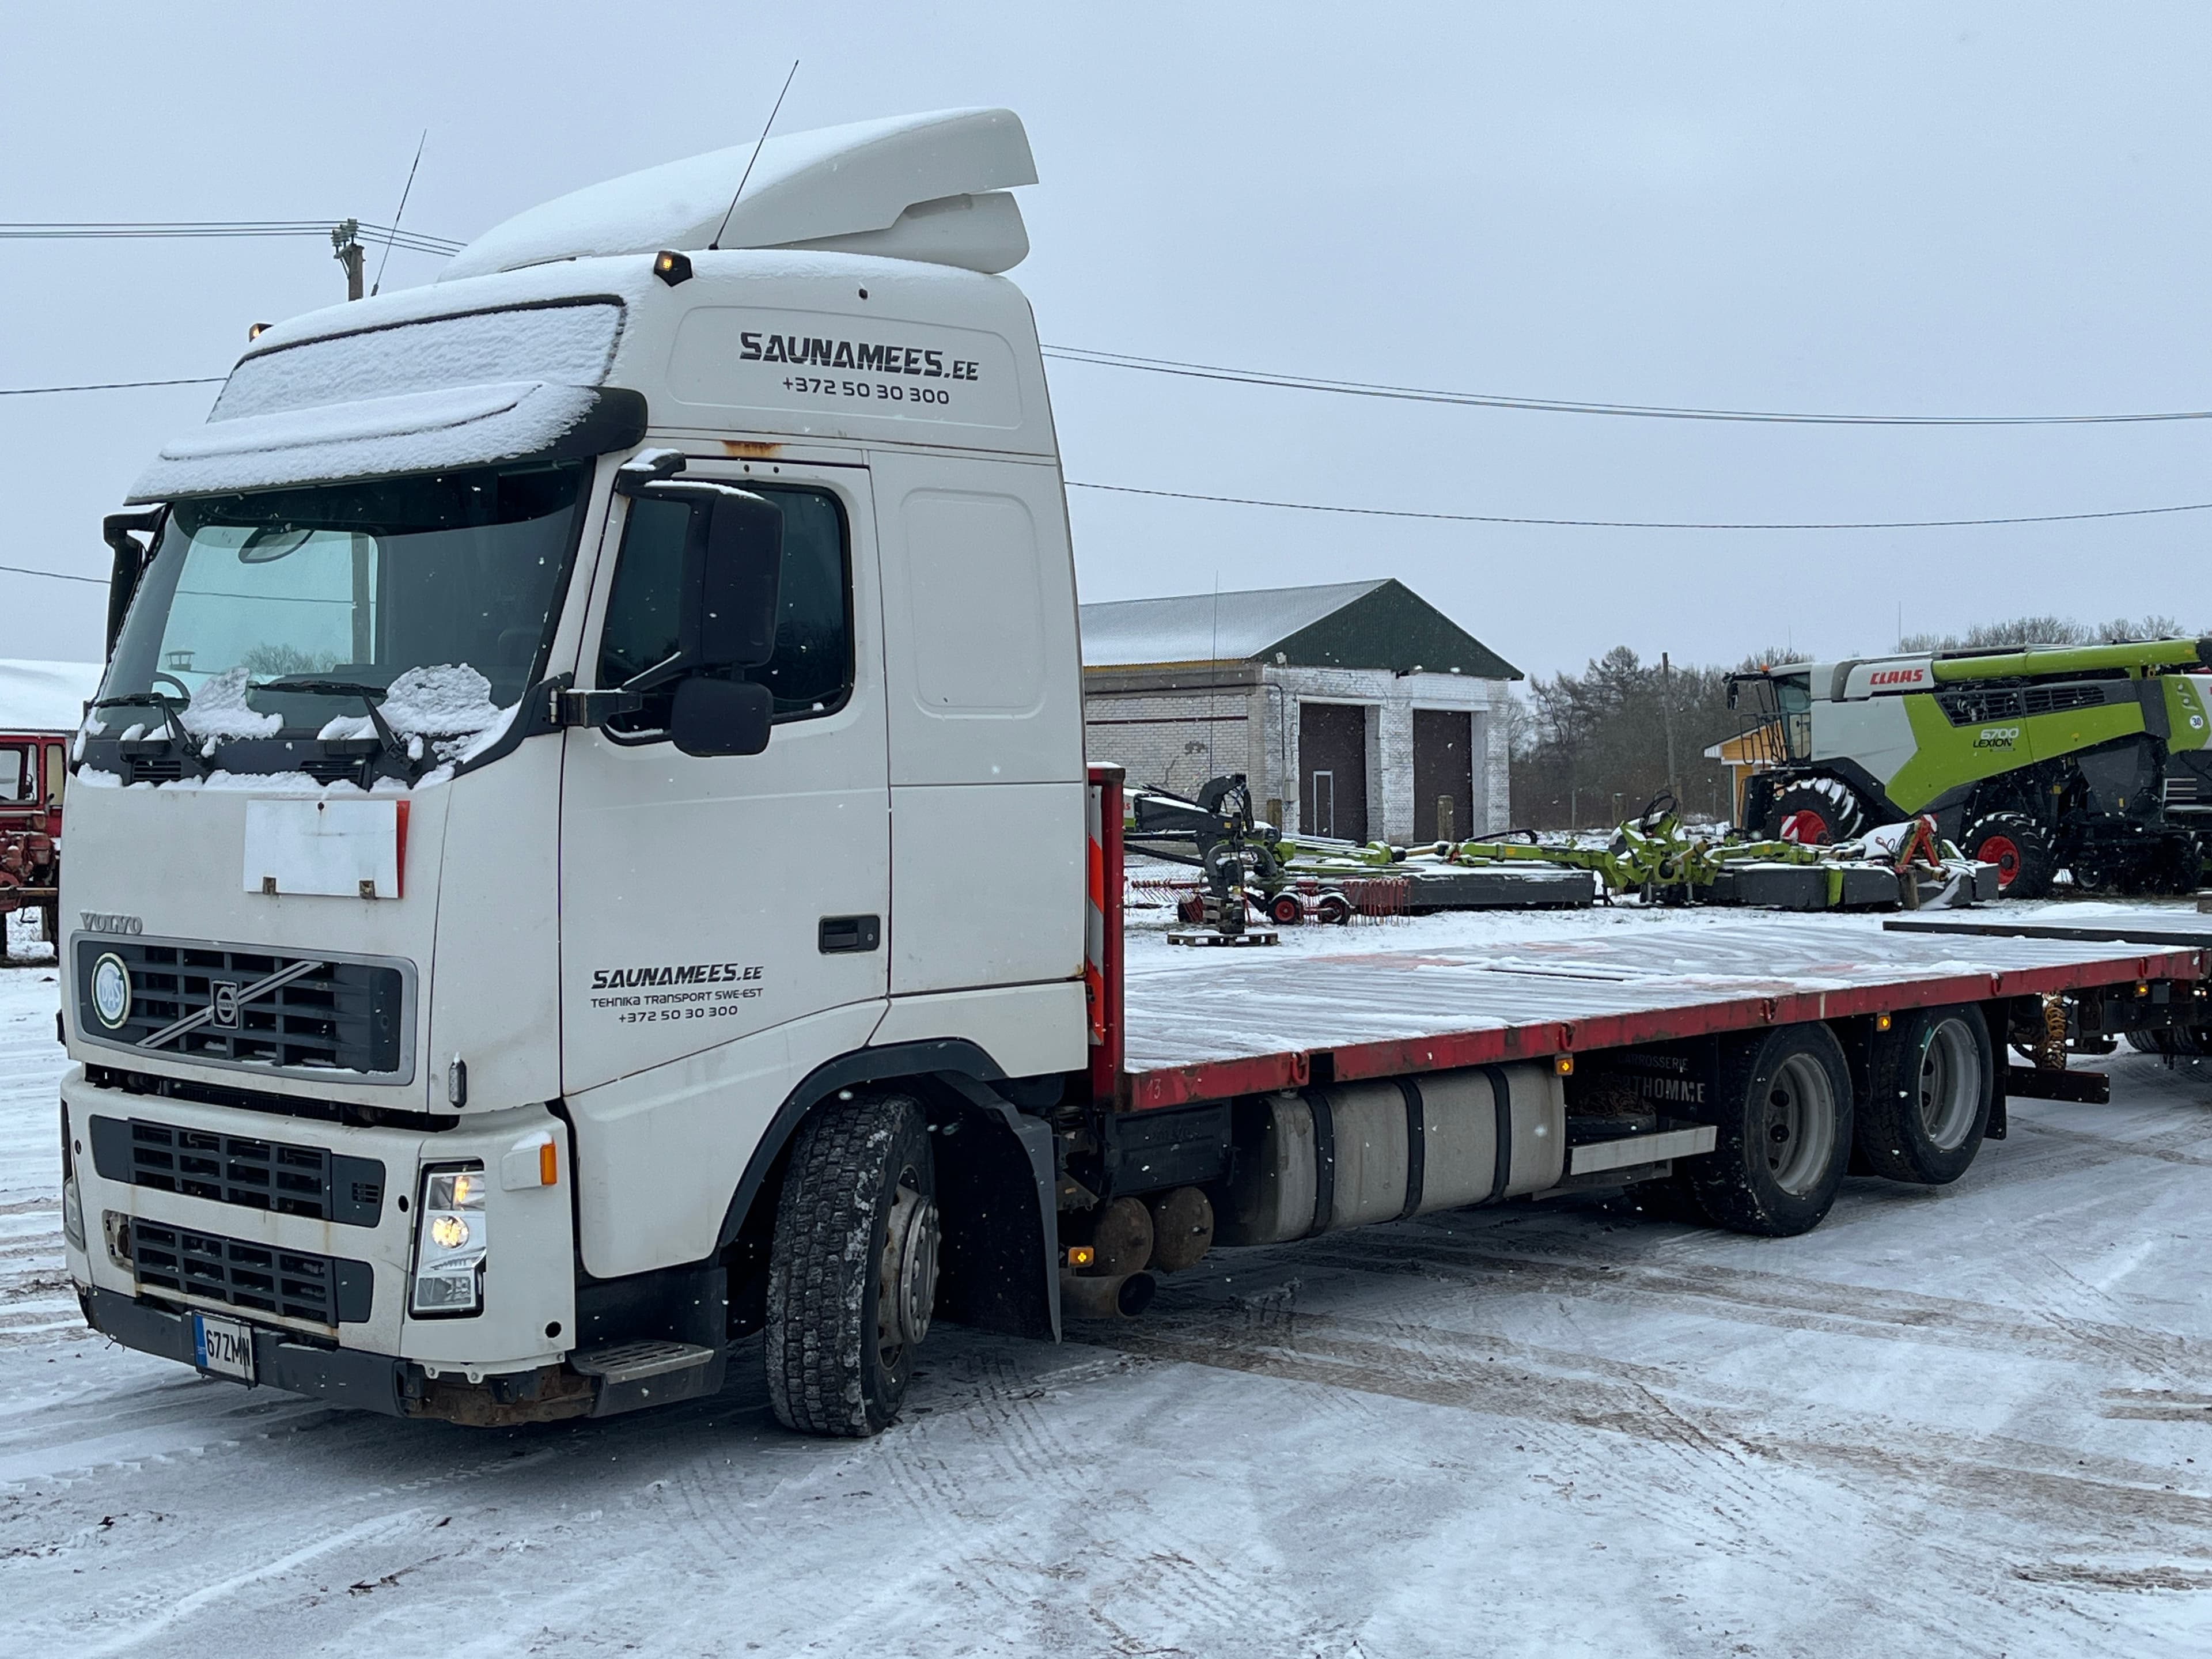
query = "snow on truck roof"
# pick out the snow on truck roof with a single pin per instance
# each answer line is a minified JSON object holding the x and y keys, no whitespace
{"x":851,"y":247}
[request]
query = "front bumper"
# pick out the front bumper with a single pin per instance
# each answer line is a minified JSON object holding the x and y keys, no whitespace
{"x":373,"y":1381}
{"x":343,"y":1376}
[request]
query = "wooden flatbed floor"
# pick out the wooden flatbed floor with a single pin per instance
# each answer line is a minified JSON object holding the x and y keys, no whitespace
{"x":1220,"y":1025}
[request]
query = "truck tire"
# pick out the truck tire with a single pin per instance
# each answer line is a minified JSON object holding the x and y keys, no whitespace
{"x":852,"y":1273}
{"x":1930,"y":1079}
{"x":2021,"y":848}
{"x":1785,"y":1132}
{"x":1824,"y":812}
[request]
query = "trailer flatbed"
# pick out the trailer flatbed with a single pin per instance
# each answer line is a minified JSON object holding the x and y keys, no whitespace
{"x":1214,"y":1028}
{"x":2102,"y":924}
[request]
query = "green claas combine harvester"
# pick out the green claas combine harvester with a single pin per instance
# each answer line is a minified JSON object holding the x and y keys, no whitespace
{"x":2088,"y":758}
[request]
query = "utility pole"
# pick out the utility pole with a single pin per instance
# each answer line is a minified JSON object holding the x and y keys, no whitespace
{"x":1666,"y":707}
{"x":345,"y":241}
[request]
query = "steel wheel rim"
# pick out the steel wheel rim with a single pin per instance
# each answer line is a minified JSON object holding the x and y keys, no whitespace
{"x":1950,"y":1085}
{"x":1799,"y":1125}
{"x":906,"y":1276}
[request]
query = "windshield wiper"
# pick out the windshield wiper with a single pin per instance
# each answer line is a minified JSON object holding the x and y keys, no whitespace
{"x":178,"y":738}
{"x":370,"y":696}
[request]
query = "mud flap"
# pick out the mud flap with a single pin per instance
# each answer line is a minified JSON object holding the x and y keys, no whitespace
{"x":999,"y":1267}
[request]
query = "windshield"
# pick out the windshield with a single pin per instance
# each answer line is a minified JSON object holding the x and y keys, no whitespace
{"x":336,"y":592}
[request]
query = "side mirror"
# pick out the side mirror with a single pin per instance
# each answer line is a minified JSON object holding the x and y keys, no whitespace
{"x":129,"y":566}
{"x":720,"y":717}
{"x":729,"y":612}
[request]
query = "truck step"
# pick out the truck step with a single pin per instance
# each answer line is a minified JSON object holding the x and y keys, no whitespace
{"x":633,"y":1362}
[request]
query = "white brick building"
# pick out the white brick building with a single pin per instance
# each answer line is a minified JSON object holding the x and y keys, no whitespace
{"x":1356,"y":710}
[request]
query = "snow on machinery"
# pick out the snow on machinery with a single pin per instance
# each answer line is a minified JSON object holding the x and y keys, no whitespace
{"x":1654,"y":856}
{"x":2089,"y":758}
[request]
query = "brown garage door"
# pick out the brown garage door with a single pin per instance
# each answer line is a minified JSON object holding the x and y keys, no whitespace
{"x":1444,"y":775}
{"x":1332,"y":770}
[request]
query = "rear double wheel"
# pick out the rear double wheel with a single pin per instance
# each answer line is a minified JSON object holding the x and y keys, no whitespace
{"x":1930,"y":1080}
{"x":2022,"y":850}
{"x":852,"y":1275}
{"x":1785,"y":1122}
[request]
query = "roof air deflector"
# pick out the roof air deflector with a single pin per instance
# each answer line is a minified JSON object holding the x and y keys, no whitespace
{"x":928,"y":187}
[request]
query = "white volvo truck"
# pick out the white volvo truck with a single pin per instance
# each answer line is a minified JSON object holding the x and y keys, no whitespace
{"x":527,"y":929}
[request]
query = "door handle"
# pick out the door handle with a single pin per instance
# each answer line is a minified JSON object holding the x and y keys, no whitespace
{"x":841,"y":935}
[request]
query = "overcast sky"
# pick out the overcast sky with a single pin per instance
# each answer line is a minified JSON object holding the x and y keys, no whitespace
{"x":1915,"y":209}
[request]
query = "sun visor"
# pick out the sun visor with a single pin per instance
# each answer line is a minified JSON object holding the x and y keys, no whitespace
{"x":431,"y":431}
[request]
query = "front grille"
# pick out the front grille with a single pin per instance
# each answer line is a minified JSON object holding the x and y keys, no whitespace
{"x":291,"y":1284}
{"x":335,"y":1016}
{"x":1979,"y":707}
{"x":276,"y":1176}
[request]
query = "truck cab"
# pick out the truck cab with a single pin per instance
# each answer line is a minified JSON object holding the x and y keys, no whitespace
{"x":557,"y":729}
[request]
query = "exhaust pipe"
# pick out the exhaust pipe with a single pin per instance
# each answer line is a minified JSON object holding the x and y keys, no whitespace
{"x":1115,"y":1296}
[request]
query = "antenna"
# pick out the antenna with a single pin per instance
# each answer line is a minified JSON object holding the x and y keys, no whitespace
{"x":757,"y":142}
{"x":406,"y":191}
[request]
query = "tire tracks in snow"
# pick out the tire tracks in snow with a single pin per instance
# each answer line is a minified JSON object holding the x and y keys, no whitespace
{"x":2002,"y":1473}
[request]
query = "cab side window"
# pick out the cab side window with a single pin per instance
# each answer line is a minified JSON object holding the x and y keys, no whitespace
{"x":16,"y":783}
{"x":811,"y":672}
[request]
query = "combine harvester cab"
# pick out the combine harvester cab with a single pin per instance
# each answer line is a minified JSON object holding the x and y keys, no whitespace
{"x":2092,"y":759}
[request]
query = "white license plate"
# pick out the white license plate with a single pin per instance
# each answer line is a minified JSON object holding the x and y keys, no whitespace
{"x":224,"y":1346}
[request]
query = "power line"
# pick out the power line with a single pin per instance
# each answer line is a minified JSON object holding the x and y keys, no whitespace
{"x":58,"y":575}
{"x":106,"y":386}
{"x":391,"y":236}
{"x":1641,"y":524}
{"x":1568,"y":406}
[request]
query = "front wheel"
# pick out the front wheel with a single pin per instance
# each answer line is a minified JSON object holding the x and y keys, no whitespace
{"x":1815,"y":813}
{"x":852,"y":1275}
{"x":2021,"y":848}
{"x":1930,"y":1079}
{"x":1785,"y":1132}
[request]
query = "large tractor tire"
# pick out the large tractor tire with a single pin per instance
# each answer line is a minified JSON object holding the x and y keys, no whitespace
{"x":1817,"y":812}
{"x":852,"y":1274}
{"x":1784,"y":1103}
{"x":2021,"y":848}
{"x":1930,"y":1080}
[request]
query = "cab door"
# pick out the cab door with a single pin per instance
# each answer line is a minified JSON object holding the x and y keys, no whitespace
{"x":709,"y":899}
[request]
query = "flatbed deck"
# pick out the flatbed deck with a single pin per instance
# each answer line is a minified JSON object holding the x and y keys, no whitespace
{"x":1216,"y":1027}
{"x":2094,"y":925}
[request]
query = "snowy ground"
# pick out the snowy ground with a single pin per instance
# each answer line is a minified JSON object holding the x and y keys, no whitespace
{"x":1971,"y":1421}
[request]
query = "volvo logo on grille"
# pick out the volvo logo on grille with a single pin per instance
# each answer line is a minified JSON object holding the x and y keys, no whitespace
{"x":110,"y":921}
{"x":225,"y":1006}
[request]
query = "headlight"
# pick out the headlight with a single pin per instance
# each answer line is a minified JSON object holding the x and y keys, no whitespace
{"x":450,"y":1238}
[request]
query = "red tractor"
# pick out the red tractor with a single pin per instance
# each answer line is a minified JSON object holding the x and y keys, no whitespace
{"x":32,"y":768}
